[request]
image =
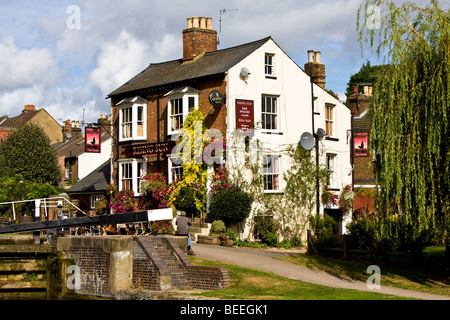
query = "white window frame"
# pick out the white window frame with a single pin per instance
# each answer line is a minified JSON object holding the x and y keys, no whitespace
{"x":137,"y":167}
{"x":269,"y":64}
{"x":266,"y":112}
{"x":135,"y":122}
{"x":274,"y":172}
{"x":330,"y":121}
{"x":94,"y":199}
{"x":331,"y":168}
{"x":187,"y":100}
{"x":177,"y":167}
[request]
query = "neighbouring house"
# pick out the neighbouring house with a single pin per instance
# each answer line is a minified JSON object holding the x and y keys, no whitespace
{"x":362,"y":156}
{"x":91,"y":188}
{"x":75,"y":162}
{"x":30,"y":114}
{"x":239,"y":88}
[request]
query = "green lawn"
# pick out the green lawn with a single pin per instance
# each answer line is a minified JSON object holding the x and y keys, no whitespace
{"x":402,"y":273}
{"x":250,"y":284}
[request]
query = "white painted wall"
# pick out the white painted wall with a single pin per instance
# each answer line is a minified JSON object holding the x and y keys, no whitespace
{"x":293,"y":87}
{"x":88,"y":162}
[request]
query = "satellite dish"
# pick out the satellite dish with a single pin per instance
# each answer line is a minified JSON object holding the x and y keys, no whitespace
{"x":321,"y":133}
{"x":245,"y":73}
{"x":307,"y":141}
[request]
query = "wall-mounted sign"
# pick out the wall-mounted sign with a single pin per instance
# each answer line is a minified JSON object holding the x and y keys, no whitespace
{"x":361,"y":144}
{"x":149,"y":148}
{"x":216,"y":98}
{"x":244,"y":116}
{"x":92,"y":137}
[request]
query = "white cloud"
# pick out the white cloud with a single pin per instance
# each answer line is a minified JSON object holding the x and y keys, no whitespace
{"x":118,"y":61}
{"x":23,"y":68}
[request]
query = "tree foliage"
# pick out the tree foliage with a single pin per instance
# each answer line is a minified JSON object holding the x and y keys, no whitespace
{"x":27,"y":152}
{"x":410,"y":112}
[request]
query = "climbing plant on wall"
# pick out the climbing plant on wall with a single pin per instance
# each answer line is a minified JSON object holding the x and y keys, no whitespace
{"x":410,"y":111}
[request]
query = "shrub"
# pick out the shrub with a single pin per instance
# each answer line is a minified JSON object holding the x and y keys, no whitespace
{"x":322,"y":225}
{"x":218,"y":227}
{"x":186,"y":200}
{"x":231,"y":205}
{"x":267,"y":229}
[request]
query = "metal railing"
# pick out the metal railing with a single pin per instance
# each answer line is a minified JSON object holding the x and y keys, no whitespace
{"x":59,"y":203}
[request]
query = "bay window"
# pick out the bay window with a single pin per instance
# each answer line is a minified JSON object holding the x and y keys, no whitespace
{"x":132,"y":119}
{"x":180,"y":103}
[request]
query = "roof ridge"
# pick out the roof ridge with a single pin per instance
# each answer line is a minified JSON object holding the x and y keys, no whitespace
{"x":263,"y":40}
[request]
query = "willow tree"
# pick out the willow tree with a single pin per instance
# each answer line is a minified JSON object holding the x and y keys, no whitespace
{"x":410,"y":115}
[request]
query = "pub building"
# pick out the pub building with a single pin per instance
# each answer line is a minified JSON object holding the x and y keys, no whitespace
{"x":254,"y":85}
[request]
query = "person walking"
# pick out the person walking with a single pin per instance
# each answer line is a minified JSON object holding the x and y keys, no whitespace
{"x":183,"y":224}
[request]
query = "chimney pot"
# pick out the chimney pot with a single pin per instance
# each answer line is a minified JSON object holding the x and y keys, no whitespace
{"x":366,"y":90}
{"x":355,"y":89}
{"x":317,"y":55}
{"x":196,"y":22}
{"x":310,"y":55}
{"x":202,"y":23}
{"x":189,"y":23}
{"x":209,"y":25}
{"x":370,"y":91}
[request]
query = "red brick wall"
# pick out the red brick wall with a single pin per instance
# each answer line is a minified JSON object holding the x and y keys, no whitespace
{"x":217,"y":120}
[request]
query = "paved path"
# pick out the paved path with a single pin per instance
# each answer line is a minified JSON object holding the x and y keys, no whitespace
{"x":264,"y":260}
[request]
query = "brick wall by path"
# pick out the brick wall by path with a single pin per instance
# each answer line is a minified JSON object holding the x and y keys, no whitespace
{"x":114,"y":264}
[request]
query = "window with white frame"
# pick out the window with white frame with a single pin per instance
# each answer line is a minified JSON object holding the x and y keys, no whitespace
{"x":94,"y":199}
{"x":269,"y":113}
{"x":180,"y":103}
{"x":176,"y":170}
{"x":132,"y":119}
{"x":271,"y":173}
{"x":269,"y":63}
{"x":130,"y":173}
{"x":329,"y":120}
{"x":331,"y":170}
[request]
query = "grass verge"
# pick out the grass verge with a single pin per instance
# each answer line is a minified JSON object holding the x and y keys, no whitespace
{"x":251,"y":284}
{"x":401,"y":274}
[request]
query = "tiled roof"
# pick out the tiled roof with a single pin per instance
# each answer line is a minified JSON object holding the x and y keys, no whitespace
{"x":211,"y":63}
{"x":97,"y":180}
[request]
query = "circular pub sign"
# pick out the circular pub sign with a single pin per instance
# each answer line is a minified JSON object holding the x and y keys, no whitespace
{"x":216,"y":98}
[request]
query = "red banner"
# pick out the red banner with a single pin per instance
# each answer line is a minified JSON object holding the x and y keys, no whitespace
{"x":93,"y":142}
{"x":361,"y":144}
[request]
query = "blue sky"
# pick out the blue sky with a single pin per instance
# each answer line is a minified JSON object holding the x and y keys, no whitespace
{"x":45,"y":62}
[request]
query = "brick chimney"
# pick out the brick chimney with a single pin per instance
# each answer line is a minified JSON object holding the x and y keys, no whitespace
{"x":198,"y":38}
{"x":315,"y":69}
{"x":28,"y":107}
{"x":359,"y":102}
{"x":72,"y":128}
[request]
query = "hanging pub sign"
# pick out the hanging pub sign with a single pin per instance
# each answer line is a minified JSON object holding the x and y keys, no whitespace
{"x":361,"y":144}
{"x":92,"y":137}
{"x":244,"y":116}
{"x":149,"y":148}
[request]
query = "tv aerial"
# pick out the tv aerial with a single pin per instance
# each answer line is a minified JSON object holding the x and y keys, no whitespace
{"x":222,"y":12}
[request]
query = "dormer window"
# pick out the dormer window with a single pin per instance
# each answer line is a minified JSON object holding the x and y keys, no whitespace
{"x":132,"y":119}
{"x":180,"y":103}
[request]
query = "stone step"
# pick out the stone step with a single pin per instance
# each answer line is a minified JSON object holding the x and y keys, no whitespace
{"x":20,"y":266}
{"x":21,"y":285}
{"x":21,"y":276}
